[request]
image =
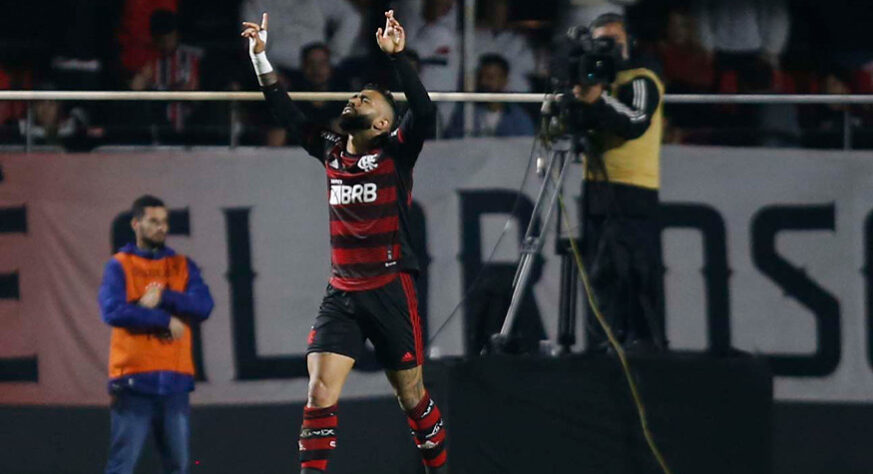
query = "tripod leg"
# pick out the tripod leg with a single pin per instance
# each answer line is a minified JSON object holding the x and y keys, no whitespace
{"x":567,"y":305}
{"x":533,"y":240}
{"x":523,"y":273}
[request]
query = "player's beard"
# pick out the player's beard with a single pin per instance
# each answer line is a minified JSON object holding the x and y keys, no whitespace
{"x":352,"y":123}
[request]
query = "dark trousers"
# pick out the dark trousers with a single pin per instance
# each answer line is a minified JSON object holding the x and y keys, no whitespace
{"x":623,"y":258}
{"x":133,"y":415}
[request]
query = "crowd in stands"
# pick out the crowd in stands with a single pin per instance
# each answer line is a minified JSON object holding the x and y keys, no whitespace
{"x":703,"y":46}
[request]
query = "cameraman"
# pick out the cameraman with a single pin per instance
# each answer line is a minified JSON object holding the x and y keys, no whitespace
{"x":621,"y":235}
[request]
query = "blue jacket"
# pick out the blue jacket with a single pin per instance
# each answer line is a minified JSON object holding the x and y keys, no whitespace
{"x":194,"y":303}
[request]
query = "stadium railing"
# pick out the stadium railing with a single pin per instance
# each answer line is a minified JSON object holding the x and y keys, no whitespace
{"x":234,"y":97}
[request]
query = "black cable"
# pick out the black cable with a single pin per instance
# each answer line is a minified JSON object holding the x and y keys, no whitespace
{"x":619,"y":351}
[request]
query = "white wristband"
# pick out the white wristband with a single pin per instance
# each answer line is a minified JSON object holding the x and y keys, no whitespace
{"x":261,"y":64}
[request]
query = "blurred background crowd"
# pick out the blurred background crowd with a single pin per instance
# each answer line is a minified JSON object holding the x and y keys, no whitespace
{"x":704,"y":46}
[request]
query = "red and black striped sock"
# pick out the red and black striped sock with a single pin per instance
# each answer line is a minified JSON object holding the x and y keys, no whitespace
{"x":317,"y":438}
{"x":428,"y":431}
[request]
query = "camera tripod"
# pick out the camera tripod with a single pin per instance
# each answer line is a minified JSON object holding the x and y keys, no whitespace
{"x":564,"y":150}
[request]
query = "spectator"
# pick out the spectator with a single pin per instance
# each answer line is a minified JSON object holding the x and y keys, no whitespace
{"x":176,"y":67}
{"x":133,"y":35}
{"x":493,"y":119}
{"x":494,"y":37}
{"x":742,"y":35}
{"x":687,"y":69}
{"x":823,"y":124}
{"x":317,"y":75}
{"x":439,"y":48}
{"x":413,"y":11}
{"x":49,"y":125}
{"x":301,"y":22}
{"x":53,"y":125}
{"x":746,"y":39}
{"x":687,"y":65}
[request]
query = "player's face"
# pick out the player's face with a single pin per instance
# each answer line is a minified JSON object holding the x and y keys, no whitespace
{"x":615,"y":31}
{"x":151,"y":229}
{"x":366,"y":109}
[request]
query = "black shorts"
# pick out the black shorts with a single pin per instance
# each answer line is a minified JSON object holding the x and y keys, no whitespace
{"x":387,"y":316}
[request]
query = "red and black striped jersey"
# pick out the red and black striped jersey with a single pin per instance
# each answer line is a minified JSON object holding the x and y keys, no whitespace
{"x":368,"y":195}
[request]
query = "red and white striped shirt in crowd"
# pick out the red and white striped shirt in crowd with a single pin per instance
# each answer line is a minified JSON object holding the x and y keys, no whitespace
{"x":177,"y":71}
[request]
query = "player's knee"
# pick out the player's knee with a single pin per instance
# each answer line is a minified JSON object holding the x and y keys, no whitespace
{"x":321,"y":395}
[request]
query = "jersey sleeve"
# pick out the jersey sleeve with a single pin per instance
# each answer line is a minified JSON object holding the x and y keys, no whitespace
{"x":419,"y":120}
{"x":314,"y":138}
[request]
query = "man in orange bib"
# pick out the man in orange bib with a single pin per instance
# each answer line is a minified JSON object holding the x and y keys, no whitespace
{"x":151,"y":296}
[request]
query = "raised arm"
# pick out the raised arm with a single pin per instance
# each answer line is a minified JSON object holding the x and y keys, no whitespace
{"x":392,"y":41}
{"x":288,"y":114}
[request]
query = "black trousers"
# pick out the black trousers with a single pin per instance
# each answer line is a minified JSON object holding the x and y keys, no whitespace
{"x":622,"y":255}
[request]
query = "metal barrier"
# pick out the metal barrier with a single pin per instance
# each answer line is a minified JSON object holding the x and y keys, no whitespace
{"x":195,"y":96}
{"x":199,"y":96}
